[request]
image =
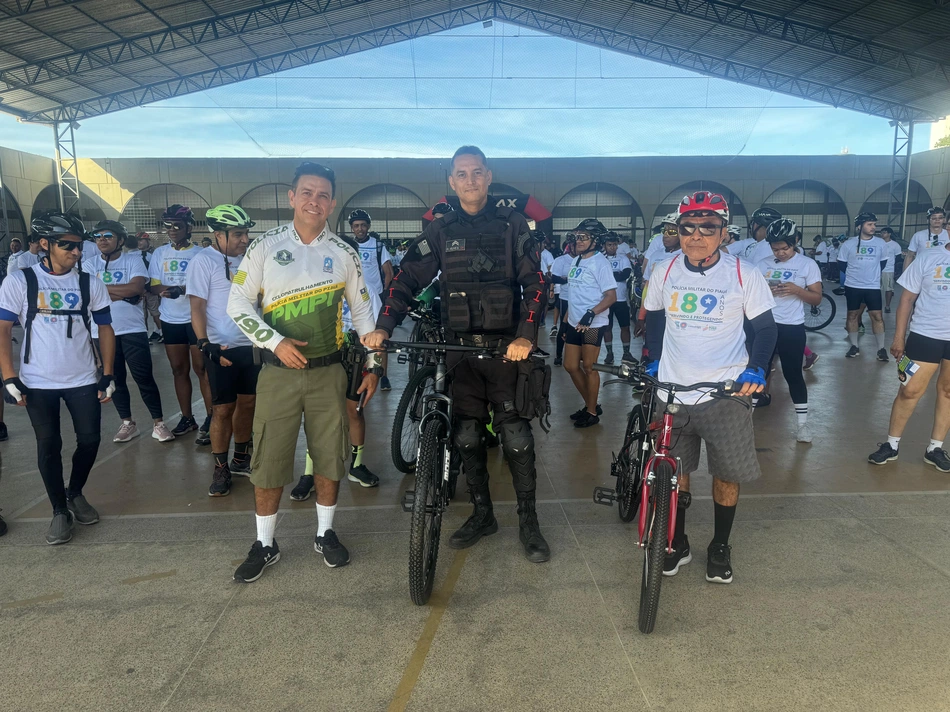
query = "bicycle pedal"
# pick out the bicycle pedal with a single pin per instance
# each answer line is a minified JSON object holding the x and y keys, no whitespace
{"x":605,"y":496}
{"x":408,"y":499}
{"x":402,"y":358}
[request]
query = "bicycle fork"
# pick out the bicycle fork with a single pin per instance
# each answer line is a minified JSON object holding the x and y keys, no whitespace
{"x":646,"y":528}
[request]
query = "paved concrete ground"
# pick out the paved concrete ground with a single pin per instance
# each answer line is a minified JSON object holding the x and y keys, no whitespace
{"x":840,"y":601}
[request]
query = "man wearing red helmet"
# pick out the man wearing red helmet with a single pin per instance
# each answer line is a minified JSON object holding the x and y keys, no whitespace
{"x":696,"y":305}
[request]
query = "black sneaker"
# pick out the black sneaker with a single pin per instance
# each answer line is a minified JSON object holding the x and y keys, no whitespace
{"x":718,"y":563}
{"x":882,"y":355}
{"x":221,"y":482}
{"x":362,"y":476}
{"x":4,"y":436}
{"x":203,"y":438}
{"x":680,"y":557}
{"x":761,"y":400}
{"x":334,"y":553}
{"x":558,"y":361}
{"x":60,"y":529}
{"x":580,"y":413}
{"x":853,"y":352}
{"x":303,"y":490}
{"x":258,"y":559}
{"x":628,"y":357}
{"x":206,"y":425}
{"x":185,"y":425}
{"x":384,"y":384}
{"x":83,"y":512}
{"x":540,"y":352}
{"x":242,"y":467}
{"x":156,"y":338}
{"x":884,"y":453}
{"x":838,"y":291}
{"x":586,"y":420}
{"x":609,"y":358}
{"x":938,"y":458}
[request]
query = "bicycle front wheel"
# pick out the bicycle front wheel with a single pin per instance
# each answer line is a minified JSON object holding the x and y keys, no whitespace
{"x":426,"y":526}
{"x":658,"y":520}
{"x":630,"y":466}
{"x":404,"y":443}
{"x":819,"y":316}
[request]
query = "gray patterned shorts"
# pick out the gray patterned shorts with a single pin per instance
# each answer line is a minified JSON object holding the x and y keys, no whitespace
{"x":726,"y":428}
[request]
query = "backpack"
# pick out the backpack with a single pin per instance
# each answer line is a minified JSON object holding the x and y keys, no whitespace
{"x":32,"y":309}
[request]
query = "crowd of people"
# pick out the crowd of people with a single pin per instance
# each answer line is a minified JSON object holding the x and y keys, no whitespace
{"x":263,"y":325}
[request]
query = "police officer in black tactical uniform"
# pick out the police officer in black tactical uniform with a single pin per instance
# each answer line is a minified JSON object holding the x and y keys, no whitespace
{"x":487,"y":257}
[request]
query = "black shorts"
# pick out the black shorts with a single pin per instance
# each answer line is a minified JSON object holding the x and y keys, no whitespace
{"x":869,"y":297}
{"x":622,"y":311}
{"x":178,"y":334}
{"x":590,"y":337}
{"x":238,"y":379}
{"x":926,"y":349}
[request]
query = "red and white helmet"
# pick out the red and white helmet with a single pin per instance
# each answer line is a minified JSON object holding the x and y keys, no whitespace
{"x":705,"y":202}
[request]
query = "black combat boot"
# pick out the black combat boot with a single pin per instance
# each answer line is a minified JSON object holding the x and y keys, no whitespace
{"x":481,"y":523}
{"x":536,"y":549}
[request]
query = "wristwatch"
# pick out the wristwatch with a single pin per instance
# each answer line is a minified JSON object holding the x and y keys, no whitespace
{"x":376,"y":371}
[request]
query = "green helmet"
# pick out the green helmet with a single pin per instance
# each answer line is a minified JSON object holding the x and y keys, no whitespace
{"x":227,"y":217}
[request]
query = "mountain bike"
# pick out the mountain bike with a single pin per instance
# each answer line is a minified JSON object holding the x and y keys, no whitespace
{"x":659,"y":478}
{"x":819,"y":316}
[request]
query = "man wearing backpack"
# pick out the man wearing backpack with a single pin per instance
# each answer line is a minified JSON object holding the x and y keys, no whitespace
{"x":56,"y":303}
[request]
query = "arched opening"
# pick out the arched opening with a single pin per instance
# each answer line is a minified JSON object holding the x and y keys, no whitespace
{"x":737,"y":211}
{"x":268,"y":207}
{"x":143,"y":213}
{"x":918,"y":203}
{"x":610,"y":204}
{"x":815,"y":208}
{"x":48,"y":199}
{"x":396,"y":212}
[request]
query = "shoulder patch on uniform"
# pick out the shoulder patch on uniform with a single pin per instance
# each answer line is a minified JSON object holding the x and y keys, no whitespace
{"x":240,"y":276}
{"x":424,"y":248}
{"x":525,"y":242}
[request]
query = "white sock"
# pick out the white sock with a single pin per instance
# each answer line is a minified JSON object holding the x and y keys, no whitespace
{"x":893,"y":442}
{"x":853,"y":336}
{"x":880,"y":340}
{"x":324,"y":518}
{"x":802,"y":412}
{"x":265,"y":529}
{"x":934,"y":445}
{"x":126,"y":421}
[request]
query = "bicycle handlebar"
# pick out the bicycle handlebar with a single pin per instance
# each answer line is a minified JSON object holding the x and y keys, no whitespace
{"x":629,"y":371}
{"x":389,"y":345}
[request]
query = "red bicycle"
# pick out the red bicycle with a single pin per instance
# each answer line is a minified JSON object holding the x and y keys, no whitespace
{"x":650,"y":480}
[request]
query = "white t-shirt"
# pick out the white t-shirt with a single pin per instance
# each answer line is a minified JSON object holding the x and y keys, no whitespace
{"x":665,"y":257}
{"x":22,"y":261}
{"x":126,"y":318}
{"x":929,"y":276}
{"x":655,"y":249}
{"x":892,"y":249}
{"x":11,"y":261}
{"x":559,"y":268}
{"x":206,"y":279}
{"x":739,"y":247}
{"x":704,"y":338}
{"x":799,"y":270}
{"x":924,"y":240}
{"x":348,"y":317}
{"x":864,"y":262}
{"x":89,"y":250}
{"x":371,"y":267}
{"x":547,"y":259}
{"x":832,"y":253}
{"x":588,"y":280}
{"x":169,"y":266}
{"x":761,"y":250}
{"x":56,"y":361}
{"x":618,"y":263}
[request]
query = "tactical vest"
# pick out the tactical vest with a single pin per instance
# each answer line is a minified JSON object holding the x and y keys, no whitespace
{"x":479,"y":287}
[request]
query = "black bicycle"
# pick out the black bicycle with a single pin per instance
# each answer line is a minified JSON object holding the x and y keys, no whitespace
{"x":823,"y":313}
{"x":437,"y":467}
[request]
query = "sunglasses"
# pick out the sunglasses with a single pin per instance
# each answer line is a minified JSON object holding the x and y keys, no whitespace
{"x":69,"y":245}
{"x":671,"y":231}
{"x":173,"y":225}
{"x":706,"y":229}
{"x":103,"y":236}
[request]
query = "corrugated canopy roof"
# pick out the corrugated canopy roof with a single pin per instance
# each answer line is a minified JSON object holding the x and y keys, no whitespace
{"x":70,"y":59}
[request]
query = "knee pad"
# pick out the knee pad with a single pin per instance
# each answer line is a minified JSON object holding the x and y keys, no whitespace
{"x":469,"y":436}
{"x":517,"y":439}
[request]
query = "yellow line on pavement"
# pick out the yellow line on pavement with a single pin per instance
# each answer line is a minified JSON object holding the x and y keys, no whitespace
{"x":438,"y":604}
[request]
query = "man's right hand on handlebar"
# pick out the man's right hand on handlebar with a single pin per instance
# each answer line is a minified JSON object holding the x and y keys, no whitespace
{"x":374,"y":339}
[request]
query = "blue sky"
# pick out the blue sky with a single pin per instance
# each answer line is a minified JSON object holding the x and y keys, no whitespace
{"x":514,"y":92}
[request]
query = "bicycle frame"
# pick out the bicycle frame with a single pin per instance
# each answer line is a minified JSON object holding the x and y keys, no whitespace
{"x":661,"y":453}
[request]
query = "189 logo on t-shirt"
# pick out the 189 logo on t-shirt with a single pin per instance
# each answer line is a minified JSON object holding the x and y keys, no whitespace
{"x":48,"y":299}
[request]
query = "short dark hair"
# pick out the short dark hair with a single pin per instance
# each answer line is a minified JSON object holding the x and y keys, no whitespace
{"x":888,"y":230}
{"x":469,"y":151}
{"x":310,"y":168}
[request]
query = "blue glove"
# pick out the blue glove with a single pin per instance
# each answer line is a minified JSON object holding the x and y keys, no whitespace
{"x":653,"y":369}
{"x":755,"y":376}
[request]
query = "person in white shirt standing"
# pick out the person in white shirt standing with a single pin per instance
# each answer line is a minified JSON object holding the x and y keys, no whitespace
{"x":125,"y":278}
{"x":168,"y":270}
{"x":592,"y":290}
{"x":56,"y":303}
{"x":620,"y":309}
{"x":558,"y":277}
{"x":16,"y":248}
{"x":377,"y":269}
{"x":547,"y":260}
{"x":795,"y":281}
{"x":228,"y":353}
{"x":934,"y":236}
{"x":755,"y":248}
{"x":862,"y":260}
{"x":925,"y":305}
{"x":26,"y":259}
{"x":892,"y":249}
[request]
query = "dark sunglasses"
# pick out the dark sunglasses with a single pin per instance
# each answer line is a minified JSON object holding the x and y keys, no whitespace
{"x":706,"y":229}
{"x":173,"y":225}
{"x":69,"y":245}
{"x":671,"y":231}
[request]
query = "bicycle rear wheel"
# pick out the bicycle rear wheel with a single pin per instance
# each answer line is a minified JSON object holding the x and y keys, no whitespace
{"x":404,"y":443}
{"x":820,"y":315}
{"x":658,"y":520}
{"x":630,"y":465}
{"x":426,"y":526}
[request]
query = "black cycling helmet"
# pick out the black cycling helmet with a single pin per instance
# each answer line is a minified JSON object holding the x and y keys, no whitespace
{"x":936,"y":209}
{"x":442,"y":208}
{"x":611,"y":236}
{"x":764,"y":216}
{"x":782,"y":230}
{"x":113,"y":226}
{"x":179,"y":212}
{"x":359,"y":214}
{"x":593,"y":226}
{"x":864,"y":217}
{"x":52,"y":223}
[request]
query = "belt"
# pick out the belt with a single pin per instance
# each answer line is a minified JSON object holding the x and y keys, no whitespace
{"x":483,"y":341}
{"x":337,"y":357}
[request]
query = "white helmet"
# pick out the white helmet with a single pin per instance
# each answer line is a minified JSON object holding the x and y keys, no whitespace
{"x":734,"y":231}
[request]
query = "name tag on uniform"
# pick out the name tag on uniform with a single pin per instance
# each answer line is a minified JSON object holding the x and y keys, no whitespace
{"x":454,"y":245}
